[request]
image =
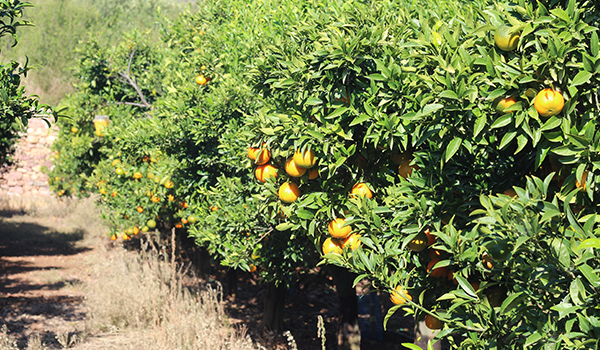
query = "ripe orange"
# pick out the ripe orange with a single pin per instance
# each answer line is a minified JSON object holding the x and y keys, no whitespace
{"x":136,"y":230}
{"x":352,"y":242}
{"x":155,"y":199}
{"x":435,"y":254}
{"x":184,"y":221}
{"x":137,"y":175}
{"x":440,"y":272}
{"x":253,"y":152}
{"x":262,"y":157}
{"x":201,"y":80}
{"x":126,"y":237}
{"x":252,"y":268}
{"x":288,"y":192}
{"x":171,"y":198}
{"x":140,"y":209}
{"x":502,"y":103}
{"x":431,"y":239}
{"x":214,"y":208}
{"x":313,"y":173}
{"x":361,"y":189}
{"x":419,"y":243}
{"x":400,"y":296}
{"x":549,"y":102}
{"x":169,"y":184}
{"x":505,"y":39}
{"x":336,"y":230}
{"x":488,"y":262}
{"x":332,"y":245}
{"x":113,"y":237}
{"x":306,"y":159}
{"x":405,"y":169}
{"x":293,"y":169}
{"x":433,"y":322}
{"x":74,"y":130}
{"x":580,"y":183}
{"x":178,"y":225}
{"x":263,"y":172}
{"x":114,"y":194}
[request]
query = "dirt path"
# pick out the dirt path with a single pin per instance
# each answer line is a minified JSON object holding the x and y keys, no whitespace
{"x":42,"y":265}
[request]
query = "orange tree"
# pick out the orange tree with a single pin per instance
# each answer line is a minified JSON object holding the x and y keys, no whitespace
{"x":16,"y":108}
{"x":175,"y":148}
{"x":484,"y":206}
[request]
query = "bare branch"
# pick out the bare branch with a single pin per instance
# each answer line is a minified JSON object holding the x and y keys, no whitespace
{"x":131,"y":81}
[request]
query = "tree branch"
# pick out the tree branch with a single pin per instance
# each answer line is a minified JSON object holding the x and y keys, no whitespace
{"x":131,"y":81}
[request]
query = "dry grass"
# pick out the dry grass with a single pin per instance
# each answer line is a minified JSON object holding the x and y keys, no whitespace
{"x":145,"y":291}
{"x":134,"y":299}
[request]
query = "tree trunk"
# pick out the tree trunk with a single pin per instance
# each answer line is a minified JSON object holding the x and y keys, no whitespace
{"x":274,"y":306}
{"x":232,"y":284}
{"x":348,"y":334}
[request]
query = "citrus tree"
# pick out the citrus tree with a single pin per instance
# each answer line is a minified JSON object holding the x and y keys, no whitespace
{"x":472,"y":129}
{"x":16,"y":107}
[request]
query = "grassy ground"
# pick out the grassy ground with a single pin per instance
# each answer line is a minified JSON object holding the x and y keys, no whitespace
{"x":65,"y":285}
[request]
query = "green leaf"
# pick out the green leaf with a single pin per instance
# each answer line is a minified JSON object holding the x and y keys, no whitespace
{"x":305,"y":214}
{"x":313,"y":101}
{"x":360,"y":119}
{"x":589,"y":243}
{"x":502,"y":121}
{"x":452,"y":148}
{"x":411,"y":346}
{"x":339,"y":111}
{"x":449,"y":94}
{"x":479,"y":125}
{"x":466,"y":286}
{"x":532,"y":339}
{"x":284,"y":226}
{"x":581,"y":78}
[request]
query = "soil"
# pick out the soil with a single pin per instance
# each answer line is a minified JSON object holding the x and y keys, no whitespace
{"x":43,"y":269}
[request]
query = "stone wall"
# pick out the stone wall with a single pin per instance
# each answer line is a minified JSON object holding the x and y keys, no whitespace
{"x":32,"y":152}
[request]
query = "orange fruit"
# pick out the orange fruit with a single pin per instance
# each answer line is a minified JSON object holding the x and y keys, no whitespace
{"x":113,"y":237}
{"x":405,"y":169}
{"x":252,"y":268}
{"x":502,"y":103}
{"x":178,"y":225}
{"x":263,"y":172}
{"x":431,"y":239}
{"x":306,"y":159}
{"x":184,"y":221}
{"x":169,"y":184}
{"x":253,"y":152}
{"x":171,"y":197}
{"x":352,"y":242}
{"x":332,"y":245}
{"x":262,"y":157}
{"x":506,"y":39}
{"x":136,"y":230}
{"x":114,"y":194}
{"x":292,"y":169}
{"x":433,"y":322}
{"x":214,"y":208}
{"x":119,"y":171}
{"x":400,"y":296}
{"x":201,"y":80}
{"x":151,"y":223}
{"x":288,"y":192}
{"x":140,"y":209}
{"x":488,"y":262}
{"x":336,"y":230}
{"x":435,"y":254}
{"x":74,"y":130}
{"x":418,"y":243}
{"x":549,"y":102}
{"x":155,"y":199}
{"x":361,"y":189}
{"x":126,"y":237}
{"x":440,"y":272}
{"x":580,"y":183}
{"x":313,"y":173}
{"x":137,"y":175}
